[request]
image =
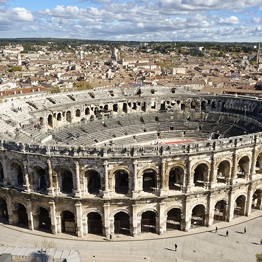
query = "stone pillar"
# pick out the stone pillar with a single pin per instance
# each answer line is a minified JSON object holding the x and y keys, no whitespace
{"x":11,"y":218}
{"x":213,"y":172}
{"x":135,"y":191}
{"x":106,"y":191}
{"x":164,"y":179}
{"x":6,"y":177}
{"x":234,"y":168}
{"x":135,"y":221}
{"x":52,"y":207}
{"x":106,"y":220}
{"x":210,"y":212}
{"x":249,"y":200}
{"x":231,"y":206}
{"x":79,"y":215}
{"x":253,"y":163}
{"x":50,"y":178}
{"x":186,"y":224}
{"x":190,"y":176}
{"x":26,"y":179}
{"x":162,"y":219}
{"x":77,"y":181}
{"x":30,"y":215}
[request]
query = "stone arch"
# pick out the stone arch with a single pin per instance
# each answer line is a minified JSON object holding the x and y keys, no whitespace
{"x":69,"y":116}
{"x":115,"y":107}
{"x":121,"y":179}
{"x":258,"y":166}
{"x":40,"y":178}
{"x":149,"y":221}
{"x":78,"y":112}
{"x":43,"y":219}
{"x":240,"y":205}
{"x":203,"y":105}
{"x":149,"y":177}
{"x":124,"y":108}
{"x":21,"y":215}
{"x":223,"y":171}
{"x":66,"y":177}
{"x":59,"y":117}
{"x":176,"y":177}
{"x":94,"y":223}
{"x":3,"y":210}
{"x":243,"y":167}
{"x":201,"y":174}
{"x":257,"y":199}
{"x":41,"y":121}
{"x":220,"y":210}
{"x":93,"y":181}
{"x":50,"y":120}
{"x":198,"y":215}
{"x":174,"y":219}
{"x":87,"y":111}
{"x":68,"y":224}
{"x":2,"y":175}
{"x":122,"y":223}
{"x":17,"y":173}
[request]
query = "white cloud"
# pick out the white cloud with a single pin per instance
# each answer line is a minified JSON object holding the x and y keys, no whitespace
{"x":256,"y":20}
{"x":229,"y":20}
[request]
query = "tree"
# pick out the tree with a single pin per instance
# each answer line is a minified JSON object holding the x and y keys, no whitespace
{"x":259,"y":257}
{"x":15,"y":69}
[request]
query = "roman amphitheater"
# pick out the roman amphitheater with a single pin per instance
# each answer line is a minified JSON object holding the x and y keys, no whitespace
{"x":128,"y":160}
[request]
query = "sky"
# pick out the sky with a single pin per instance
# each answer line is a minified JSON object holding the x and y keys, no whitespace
{"x":133,"y":20}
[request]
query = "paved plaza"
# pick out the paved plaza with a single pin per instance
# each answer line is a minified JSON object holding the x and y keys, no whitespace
{"x":200,"y":244}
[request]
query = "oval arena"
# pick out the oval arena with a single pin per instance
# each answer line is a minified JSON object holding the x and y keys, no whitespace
{"x":128,"y":160}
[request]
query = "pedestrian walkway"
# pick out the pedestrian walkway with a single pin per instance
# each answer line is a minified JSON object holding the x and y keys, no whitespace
{"x":195,"y":245}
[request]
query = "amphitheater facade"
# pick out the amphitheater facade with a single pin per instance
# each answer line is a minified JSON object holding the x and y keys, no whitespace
{"x":128,"y":161}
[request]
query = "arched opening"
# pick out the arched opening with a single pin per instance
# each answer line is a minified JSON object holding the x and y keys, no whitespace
{"x":259,"y":164}
{"x":87,"y":111}
{"x":41,"y":176}
{"x":122,"y":223}
{"x":223,"y":172}
{"x":41,"y":121}
{"x":148,"y":222}
{"x":59,"y":117}
{"x":176,"y":178}
{"x":67,"y":182}
{"x":125,"y":107}
{"x":50,"y":120}
{"x":78,"y":113}
{"x":201,"y":175}
{"x":2,"y":177}
{"x":93,"y":182}
{"x":220,"y":211}
{"x":3,"y":211}
{"x":173,"y":221}
{"x":94,"y":223}
{"x":203,"y":106}
{"x":115,"y":107}
{"x":17,"y":173}
{"x":256,"y":199}
{"x":149,"y":180}
{"x":68,"y":222}
{"x":68,"y":117}
{"x":213,"y":105}
{"x":22,"y":218}
{"x":198,"y":216}
{"x":44,"y":220}
{"x":243,"y":167}
{"x":240,"y":204}
{"x":121,"y":182}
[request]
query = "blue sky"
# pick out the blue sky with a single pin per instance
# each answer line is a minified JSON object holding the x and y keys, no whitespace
{"x":133,"y":20}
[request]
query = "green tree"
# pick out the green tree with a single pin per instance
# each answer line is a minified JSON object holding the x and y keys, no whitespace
{"x":259,"y":257}
{"x":15,"y":69}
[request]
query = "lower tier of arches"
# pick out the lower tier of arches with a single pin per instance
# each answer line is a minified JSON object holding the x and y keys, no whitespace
{"x":123,"y":216}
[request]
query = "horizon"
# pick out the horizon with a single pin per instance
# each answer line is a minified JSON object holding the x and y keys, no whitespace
{"x":133,"y":20}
